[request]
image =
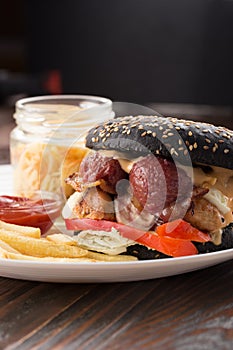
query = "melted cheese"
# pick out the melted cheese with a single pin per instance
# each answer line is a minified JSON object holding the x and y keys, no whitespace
{"x":219,"y":178}
{"x":126,"y":164}
{"x":200,"y":178}
{"x":216,"y":236}
{"x":224,"y":181}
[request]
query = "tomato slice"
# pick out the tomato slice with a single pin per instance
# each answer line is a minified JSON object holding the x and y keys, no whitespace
{"x":104,"y":225}
{"x":167,"y":245}
{"x":182,"y":230}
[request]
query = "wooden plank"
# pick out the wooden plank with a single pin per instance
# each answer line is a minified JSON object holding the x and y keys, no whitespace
{"x":179,"y":312}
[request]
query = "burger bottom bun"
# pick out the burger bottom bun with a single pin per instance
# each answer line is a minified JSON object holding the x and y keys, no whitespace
{"x":227,"y":242}
{"x":143,"y":253}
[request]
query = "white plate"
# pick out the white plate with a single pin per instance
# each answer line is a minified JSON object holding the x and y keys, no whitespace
{"x":101,"y":272}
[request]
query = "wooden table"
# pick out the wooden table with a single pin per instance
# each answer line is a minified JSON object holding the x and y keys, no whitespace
{"x":191,"y":311}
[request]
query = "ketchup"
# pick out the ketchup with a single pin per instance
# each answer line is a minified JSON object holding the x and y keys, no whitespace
{"x":29,"y":212}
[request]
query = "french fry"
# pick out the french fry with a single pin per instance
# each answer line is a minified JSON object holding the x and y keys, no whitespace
{"x":22,"y":230}
{"x":110,"y":258}
{"x":7,"y":252}
{"x":7,"y":247}
{"x":15,"y":256}
{"x":41,"y":247}
{"x":61,"y":238}
{"x":3,"y":254}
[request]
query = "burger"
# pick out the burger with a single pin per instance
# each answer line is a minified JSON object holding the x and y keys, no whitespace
{"x":153,"y":187}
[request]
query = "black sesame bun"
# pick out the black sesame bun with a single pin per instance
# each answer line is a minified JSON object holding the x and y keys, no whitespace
{"x":168,"y":137}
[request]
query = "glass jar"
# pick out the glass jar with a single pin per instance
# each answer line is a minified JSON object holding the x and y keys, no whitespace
{"x":48,"y":143}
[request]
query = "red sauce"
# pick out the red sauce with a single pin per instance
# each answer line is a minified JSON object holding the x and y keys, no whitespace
{"x":29,"y":212}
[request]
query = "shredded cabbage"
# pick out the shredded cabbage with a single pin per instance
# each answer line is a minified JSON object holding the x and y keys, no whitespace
{"x":111,"y":243}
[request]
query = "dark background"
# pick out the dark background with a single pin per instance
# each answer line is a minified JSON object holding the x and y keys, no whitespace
{"x":136,"y":50}
{"x":175,"y":56}
{"x":132,"y":50}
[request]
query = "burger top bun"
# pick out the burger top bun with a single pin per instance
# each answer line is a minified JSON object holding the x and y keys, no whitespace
{"x":167,"y":137}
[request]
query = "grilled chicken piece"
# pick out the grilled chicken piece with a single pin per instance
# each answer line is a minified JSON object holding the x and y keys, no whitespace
{"x":204,"y":215}
{"x":179,"y":209}
{"x":75,"y":181}
{"x":95,"y":204}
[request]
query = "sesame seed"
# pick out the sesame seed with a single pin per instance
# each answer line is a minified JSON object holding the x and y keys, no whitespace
{"x":226,"y":150}
{"x":170,"y":134}
{"x":180,"y":142}
{"x":173,"y":151}
{"x":143,"y":134}
{"x":190,"y":133}
{"x":195,"y":145}
{"x":205,"y":147}
{"x":154,"y":134}
{"x":208,"y":140}
{"x":177,"y":128}
{"x":164,"y":136}
{"x":191,"y":147}
{"x":174,"y":120}
{"x":205,"y":130}
{"x":185,"y":152}
{"x":128,"y":132}
{"x":160,"y":128}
